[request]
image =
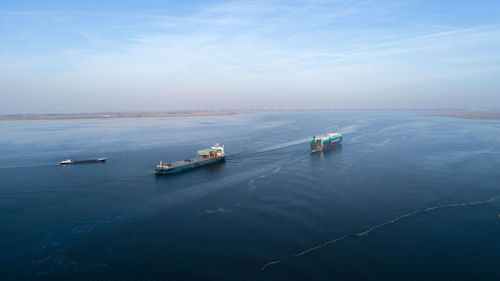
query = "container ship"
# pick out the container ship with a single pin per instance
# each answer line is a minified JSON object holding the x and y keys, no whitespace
{"x":325,"y":142}
{"x":207,"y":156}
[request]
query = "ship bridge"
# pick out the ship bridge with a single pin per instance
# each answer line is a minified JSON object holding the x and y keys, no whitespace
{"x":206,"y":153}
{"x":213,"y":152}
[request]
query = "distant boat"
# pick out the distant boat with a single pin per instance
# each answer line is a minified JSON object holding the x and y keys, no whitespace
{"x":69,"y":161}
{"x":325,"y":142}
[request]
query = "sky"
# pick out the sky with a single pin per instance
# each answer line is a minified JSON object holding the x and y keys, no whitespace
{"x":153,"y":55}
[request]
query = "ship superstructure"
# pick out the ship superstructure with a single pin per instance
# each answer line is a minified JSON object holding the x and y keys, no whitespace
{"x":207,"y":156}
{"x":326,"y":142}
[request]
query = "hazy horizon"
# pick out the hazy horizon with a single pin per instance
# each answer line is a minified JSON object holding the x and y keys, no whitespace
{"x":129,"y":113}
{"x":158,"y":56}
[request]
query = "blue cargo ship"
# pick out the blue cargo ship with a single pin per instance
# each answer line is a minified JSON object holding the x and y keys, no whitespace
{"x":325,"y":142}
{"x":207,"y":156}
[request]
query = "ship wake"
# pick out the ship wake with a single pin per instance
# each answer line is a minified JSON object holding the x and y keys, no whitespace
{"x":343,"y":130}
{"x":281,"y":145}
{"x":378,"y":226}
{"x":349,"y":129}
{"x":252,"y":182}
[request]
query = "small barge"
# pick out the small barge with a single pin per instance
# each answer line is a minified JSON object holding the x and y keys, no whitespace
{"x":70,"y":162}
{"x":326,"y":142}
{"x":207,"y":156}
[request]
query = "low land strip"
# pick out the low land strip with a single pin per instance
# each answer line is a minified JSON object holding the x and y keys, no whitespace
{"x":116,"y":115}
{"x":467,"y":115}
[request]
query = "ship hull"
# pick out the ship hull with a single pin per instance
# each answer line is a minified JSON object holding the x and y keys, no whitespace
{"x":69,"y":162}
{"x":89,"y":161}
{"x":163,"y":170}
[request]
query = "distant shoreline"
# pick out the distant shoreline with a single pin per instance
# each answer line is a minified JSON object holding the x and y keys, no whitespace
{"x":114,"y":115}
{"x":118,"y":115}
{"x":466,"y":115}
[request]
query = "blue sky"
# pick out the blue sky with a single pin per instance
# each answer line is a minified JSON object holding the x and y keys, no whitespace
{"x":92,"y":56}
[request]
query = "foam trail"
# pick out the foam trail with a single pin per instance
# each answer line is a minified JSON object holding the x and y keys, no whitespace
{"x":349,"y":129}
{"x":375,"y":227}
{"x":322,"y":245}
{"x":251,"y":182}
{"x":282,"y":145}
{"x":269,"y":263}
{"x":273,"y":147}
{"x":30,"y":165}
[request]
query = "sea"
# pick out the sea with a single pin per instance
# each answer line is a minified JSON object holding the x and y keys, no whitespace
{"x":406,"y":196}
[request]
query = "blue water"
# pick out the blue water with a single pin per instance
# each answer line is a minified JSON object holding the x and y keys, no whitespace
{"x":406,"y":197}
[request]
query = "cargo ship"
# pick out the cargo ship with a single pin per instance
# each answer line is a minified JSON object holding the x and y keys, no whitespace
{"x":325,"y":142}
{"x":207,"y":156}
{"x":70,"y":162}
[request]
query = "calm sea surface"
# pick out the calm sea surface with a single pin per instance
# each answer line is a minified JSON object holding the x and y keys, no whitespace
{"x":406,"y":197}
